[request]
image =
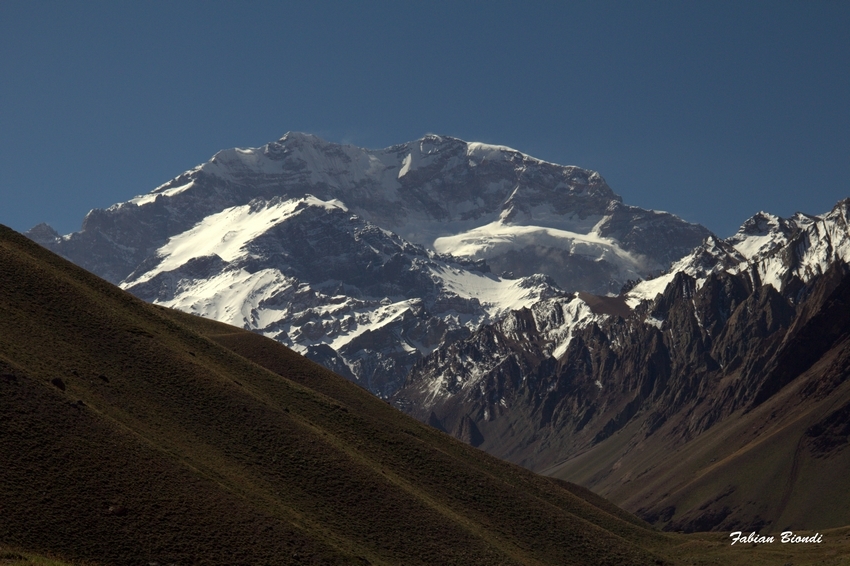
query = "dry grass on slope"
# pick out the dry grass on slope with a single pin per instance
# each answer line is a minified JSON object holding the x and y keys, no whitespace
{"x":133,"y":435}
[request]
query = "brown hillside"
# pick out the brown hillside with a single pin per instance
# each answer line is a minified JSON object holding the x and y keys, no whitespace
{"x":130,"y":435}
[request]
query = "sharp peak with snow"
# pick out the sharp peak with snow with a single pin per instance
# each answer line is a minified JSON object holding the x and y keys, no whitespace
{"x":774,"y":250}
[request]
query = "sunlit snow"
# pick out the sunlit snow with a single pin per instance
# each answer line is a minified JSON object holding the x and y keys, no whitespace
{"x":226,"y":233}
{"x":150,"y":197}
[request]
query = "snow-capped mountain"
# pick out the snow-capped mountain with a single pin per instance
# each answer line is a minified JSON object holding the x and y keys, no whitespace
{"x":366,"y":260}
{"x":484,"y":281}
{"x":609,"y":389}
{"x":471,"y":200}
{"x":773,"y":250}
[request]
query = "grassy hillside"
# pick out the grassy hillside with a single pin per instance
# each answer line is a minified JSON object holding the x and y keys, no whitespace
{"x":131,"y":434}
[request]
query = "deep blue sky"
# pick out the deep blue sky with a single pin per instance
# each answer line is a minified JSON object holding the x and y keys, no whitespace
{"x":711,"y":110}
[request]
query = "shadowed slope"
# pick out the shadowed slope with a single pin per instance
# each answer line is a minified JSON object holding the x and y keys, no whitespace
{"x":776,"y":458}
{"x":781,"y":466}
{"x":133,"y":434}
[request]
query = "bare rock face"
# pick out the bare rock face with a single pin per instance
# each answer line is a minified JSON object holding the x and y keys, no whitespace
{"x":468,"y":432}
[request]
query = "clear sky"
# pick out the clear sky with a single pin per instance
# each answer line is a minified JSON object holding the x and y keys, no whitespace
{"x":710,"y":110}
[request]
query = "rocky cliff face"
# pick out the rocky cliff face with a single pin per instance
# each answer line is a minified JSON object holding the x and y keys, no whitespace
{"x":729,"y":334}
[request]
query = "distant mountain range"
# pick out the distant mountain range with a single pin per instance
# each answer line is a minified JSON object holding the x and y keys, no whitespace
{"x":367,"y":260}
{"x":520,"y":306}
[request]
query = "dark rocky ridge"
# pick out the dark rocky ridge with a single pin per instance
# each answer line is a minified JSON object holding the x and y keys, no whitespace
{"x":718,"y":353}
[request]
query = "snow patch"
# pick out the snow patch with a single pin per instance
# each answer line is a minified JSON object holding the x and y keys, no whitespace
{"x":405,"y":165}
{"x":152,"y":196}
{"x":498,"y":238}
{"x":226,"y":233}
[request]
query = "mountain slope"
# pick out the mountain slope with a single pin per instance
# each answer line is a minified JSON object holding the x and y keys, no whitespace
{"x":130,"y":432}
{"x":760,"y":445}
{"x":732,"y":364}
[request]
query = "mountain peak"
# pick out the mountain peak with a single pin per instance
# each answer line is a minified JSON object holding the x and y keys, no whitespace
{"x":301,"y":137}
{"x":840,"y":210}
{"x":44,"y":234}
{"x":764,"y":232}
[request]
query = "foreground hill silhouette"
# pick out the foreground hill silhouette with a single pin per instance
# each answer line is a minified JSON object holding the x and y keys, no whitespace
{"x":132,"y":434}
